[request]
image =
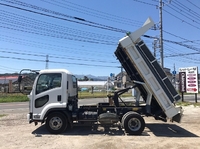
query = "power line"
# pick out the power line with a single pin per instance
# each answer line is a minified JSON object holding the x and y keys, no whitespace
{"x":57,"y":57}
{"x":51,"y":35}
{"x":138,"y":1}
{"x":181,"y":19}
{"x":52,"y":47}
{"x":188,"y":17}
{"x":145,"y":3}
{"x":187,"y":9}
{"x":34,"y":60}
{"x":168,"y":41}
{"x":183,"y":54}
{"x":8,"y":68}
{"x":31,"y":21}
{"x":95,"y":13}
{"x":186,"y":40}
{"x":178,"y":43}
{"x":46,"y":30}
{"x":80,"y":20}
{"x":107,"y":14}
{"x":194,"y":4}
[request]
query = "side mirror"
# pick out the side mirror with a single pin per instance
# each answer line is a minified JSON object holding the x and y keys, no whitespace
{"x":19,"y":79}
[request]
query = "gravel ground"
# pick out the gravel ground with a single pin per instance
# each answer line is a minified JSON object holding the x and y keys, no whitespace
{"x":16,"y":133}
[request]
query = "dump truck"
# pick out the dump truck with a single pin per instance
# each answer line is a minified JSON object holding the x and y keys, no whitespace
{"x":54,"y":95}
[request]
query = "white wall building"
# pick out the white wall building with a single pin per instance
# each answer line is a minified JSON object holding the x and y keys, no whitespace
{"x":95,"y":84}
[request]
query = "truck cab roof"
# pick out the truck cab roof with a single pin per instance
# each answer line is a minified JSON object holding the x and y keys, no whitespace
{"x":55,"y":71}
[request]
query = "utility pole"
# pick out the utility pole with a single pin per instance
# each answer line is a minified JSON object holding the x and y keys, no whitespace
{"x":121,"y":77}
{"x":155,"y":47}
{"x":47,"y":61}
{"x":174,"y":76}
{"x":161,"y":34}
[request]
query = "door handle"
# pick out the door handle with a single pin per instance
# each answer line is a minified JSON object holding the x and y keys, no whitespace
{"x":59,"y":98}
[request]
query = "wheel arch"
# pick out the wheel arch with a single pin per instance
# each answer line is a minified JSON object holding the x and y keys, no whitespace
{"x":59,"y":110}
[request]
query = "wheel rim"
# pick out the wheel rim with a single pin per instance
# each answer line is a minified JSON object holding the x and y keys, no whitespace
{"x":55,"y":123}
{"x":134,"y":124}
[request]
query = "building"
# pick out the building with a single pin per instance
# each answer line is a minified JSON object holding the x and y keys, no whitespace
{"x":97,"y":85}
{"x":6,"y":83}
{"x":9,"y":84}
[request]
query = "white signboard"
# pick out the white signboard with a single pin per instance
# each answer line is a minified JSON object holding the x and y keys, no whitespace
{"x":191,"y":77}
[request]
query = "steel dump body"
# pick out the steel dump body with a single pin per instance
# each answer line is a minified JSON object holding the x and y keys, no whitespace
{"x":142,"y":66}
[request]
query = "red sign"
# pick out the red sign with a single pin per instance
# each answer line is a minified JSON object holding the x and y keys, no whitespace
{"x":191,"y":89}
{"x":191,"y":81}
{"x":191,"y":85}
{"x":191,"y":78}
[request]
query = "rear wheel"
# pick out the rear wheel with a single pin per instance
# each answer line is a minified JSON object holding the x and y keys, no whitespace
{"x":122,"y":120}
{"x":56,"y":123}
{"x":133,"y":123}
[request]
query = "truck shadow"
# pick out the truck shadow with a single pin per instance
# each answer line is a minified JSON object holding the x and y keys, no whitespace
{"x":169,"y":130}
{"x":84,"y":130}
{"x":158,"y":129}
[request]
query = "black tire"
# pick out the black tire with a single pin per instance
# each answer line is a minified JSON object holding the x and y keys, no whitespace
{"x":133,"y":123}
{"x":56,"y":123}
{"x":122,"y":120}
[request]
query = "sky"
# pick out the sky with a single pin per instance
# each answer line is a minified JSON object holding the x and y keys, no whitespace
{"x":82,"y":36}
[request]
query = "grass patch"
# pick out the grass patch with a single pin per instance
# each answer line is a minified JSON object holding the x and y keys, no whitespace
{"x":187,"y":104}
{"x":2,"y":115}
{"x":18,"y":97}
{"x":13,"y":98}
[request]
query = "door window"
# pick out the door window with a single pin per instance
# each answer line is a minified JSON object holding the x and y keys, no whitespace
{"x":74,"y":82}
{"x":48,"y":81}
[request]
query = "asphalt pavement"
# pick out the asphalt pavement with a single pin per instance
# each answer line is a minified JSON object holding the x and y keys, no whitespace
{"x":23,"y":106}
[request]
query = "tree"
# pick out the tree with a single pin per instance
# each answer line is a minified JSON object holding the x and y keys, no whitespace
{"x":85,"y":78}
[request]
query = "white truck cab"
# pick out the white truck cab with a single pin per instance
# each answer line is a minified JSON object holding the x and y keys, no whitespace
{"x":52,"y":88}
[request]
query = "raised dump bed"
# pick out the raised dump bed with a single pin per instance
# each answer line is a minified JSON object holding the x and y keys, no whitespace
{"x":142,"y":66}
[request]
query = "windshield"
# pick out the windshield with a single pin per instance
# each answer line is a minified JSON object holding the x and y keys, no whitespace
{"x":48,"y":81}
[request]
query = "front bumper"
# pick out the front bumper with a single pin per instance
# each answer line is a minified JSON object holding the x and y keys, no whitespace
{"x":29,"y":117}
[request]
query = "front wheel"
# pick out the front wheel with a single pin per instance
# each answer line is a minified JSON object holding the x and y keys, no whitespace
{"x":133,"y":123}
{"x":56,"y":123}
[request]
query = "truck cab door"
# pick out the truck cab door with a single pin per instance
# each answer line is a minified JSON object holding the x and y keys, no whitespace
{"x":48,"y":92}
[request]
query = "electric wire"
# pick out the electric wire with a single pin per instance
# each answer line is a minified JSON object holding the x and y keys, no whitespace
{"x":57,"y":57}
{"x":20,"y":18}
{"x":145,"y":3}
{"x":188,"y":46}
{"x":194,"y":4}
{"x":185,"y":15}
{"x":186,"y":9}
{"x":181,"y":19}
{"x":72,"y":19}
{"x":34,"y":60}
{"x":91,"y":12}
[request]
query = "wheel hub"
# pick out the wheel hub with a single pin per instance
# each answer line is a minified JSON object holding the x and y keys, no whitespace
{"x":134,"y":124}
{"x":55,"y":123}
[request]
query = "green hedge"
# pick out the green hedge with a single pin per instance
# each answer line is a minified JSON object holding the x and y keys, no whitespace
{"x":81,"y":95}
{"x":13,"y":98}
